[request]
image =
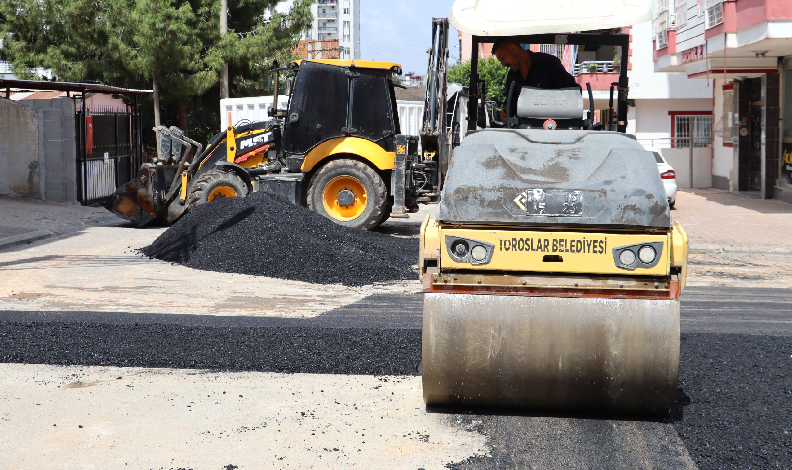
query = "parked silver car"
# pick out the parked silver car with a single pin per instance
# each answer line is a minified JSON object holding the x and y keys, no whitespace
{"x":669,"y":177}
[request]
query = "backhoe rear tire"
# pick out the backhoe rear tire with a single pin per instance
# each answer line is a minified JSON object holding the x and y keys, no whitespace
{"x":349,"y":193}
{"x":215,"y":184}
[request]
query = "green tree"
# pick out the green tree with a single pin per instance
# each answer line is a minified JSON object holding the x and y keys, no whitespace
{"x":490,"y":70}
{"x":173,"y":46}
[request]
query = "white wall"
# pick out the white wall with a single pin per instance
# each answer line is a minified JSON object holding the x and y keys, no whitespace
{"x":646,"y":84}
{"x":679,"y":159}
{"x":254,"y":109}
{"x":653,"y":123}
{"x":723,"y":157}
{"x":692,"y":34}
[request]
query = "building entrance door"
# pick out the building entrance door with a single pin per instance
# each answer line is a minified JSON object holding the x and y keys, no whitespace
{"x":755,"y":129}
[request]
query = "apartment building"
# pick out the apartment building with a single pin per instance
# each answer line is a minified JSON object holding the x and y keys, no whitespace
{"x":335,"y":31}
{"x":744,"y":47}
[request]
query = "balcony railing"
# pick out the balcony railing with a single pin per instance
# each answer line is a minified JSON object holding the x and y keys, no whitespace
{"x":327,"y":29}
{"x":596,"y":66}
{"x":328,"y":15}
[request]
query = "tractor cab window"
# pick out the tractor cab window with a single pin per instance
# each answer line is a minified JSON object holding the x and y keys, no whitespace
{"x":318,"y":107}
{"x":371,"y":116}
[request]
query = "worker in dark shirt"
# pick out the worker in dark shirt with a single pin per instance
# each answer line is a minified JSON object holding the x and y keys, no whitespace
{"x":528,"y":68}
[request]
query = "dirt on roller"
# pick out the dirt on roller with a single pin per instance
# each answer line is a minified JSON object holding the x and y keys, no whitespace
{"x":264,"y":235}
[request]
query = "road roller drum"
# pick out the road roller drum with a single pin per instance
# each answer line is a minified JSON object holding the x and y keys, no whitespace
{"x":552,"y":275}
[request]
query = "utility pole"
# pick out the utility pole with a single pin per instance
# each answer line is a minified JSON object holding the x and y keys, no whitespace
{"x":223,"y":31}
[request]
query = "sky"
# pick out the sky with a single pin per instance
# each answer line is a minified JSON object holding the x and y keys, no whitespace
{"x":401,"y":31}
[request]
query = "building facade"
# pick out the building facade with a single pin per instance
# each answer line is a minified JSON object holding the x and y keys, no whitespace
{"x":745,"y":47}
{"x":334,"y":32}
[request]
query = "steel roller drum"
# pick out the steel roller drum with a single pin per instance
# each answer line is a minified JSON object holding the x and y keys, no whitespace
{"x":595,"y":354}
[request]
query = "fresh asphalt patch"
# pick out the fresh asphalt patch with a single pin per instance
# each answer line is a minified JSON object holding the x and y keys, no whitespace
{"x":734,"y":402}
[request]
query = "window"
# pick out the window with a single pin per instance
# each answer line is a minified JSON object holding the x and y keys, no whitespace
{"x":660,"y":24}
{"x":346,"y":11}
{"x":346,"y":26}
{"x":346,"y":38}
{"x":681,"y":15}
{"x":699,"y":127}
{"x":714,"y":12}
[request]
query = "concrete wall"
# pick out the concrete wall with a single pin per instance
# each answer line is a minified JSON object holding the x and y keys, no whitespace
{"x":19,"y":150}
{"x":645,"y":83}
{"x":53,"y":151}
{"x":723,"y":156}
{"x":653,"y":123}
{"x":679,"y":159}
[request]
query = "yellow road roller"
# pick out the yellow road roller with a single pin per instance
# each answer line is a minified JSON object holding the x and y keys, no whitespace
{"x":552,"y":269}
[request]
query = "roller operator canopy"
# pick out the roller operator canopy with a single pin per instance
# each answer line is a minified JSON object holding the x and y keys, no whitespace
{"x":523,"y":17}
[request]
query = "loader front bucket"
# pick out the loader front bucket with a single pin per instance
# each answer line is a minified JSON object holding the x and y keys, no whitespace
{"x":133,"y":201}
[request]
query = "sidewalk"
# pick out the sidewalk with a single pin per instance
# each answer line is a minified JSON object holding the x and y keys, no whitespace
{"x":24,"y":220}
{"x":715,"y":220}
{"x":718,"y":221}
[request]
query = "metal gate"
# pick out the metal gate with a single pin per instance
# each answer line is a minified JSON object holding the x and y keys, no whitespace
{"x":109,"y":150}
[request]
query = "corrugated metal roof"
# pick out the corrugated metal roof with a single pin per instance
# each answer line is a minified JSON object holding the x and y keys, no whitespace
{"x":68,"y":86}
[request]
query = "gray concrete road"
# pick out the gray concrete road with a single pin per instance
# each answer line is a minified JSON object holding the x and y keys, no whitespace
{"x":75,"y":416}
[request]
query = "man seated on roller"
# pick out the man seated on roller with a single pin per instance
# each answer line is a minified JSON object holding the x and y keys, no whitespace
{"x":528,"y":68}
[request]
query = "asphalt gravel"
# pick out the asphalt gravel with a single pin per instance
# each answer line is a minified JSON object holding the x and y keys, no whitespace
{"x":264,"y":235}
{"x":734,"y":405}
{"x":734,"y":402}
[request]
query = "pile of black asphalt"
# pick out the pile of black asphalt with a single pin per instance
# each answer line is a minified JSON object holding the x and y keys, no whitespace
{"x":264,"y":235}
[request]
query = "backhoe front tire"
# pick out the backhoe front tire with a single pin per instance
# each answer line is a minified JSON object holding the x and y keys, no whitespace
{"x":215,"y":184}
{"x":350,"y":193}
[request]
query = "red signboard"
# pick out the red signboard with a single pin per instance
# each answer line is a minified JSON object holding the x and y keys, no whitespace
{"x":694,"y":53}
{"x":89,"y":134}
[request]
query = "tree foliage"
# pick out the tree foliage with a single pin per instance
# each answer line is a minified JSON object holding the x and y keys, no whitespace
{"x":128,"y":43}
{"x":490,"y":70}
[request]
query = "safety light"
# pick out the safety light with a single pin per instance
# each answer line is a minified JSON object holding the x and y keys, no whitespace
{"x":460,"y":250}
{"x":627,"y":257}
{"x":646,"y":254}
{"x":479,"y":253}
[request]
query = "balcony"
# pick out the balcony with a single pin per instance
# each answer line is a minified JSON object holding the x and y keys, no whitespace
{"x":327,"y":29}
{"x":5,"y":67}
{"x":596,"y":66}
{"x":327,"y":2}
{"x":330,"y":15}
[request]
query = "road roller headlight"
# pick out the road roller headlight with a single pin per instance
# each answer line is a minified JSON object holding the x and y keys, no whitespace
{"x":647,"y":254}
{"x":466,"y":250}
{"x":639,"y":255}
{"x":627,"y":257}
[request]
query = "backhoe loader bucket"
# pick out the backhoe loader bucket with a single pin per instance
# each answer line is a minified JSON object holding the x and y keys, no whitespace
{"x":152,"y":194}
{"x":134,"y":201}
{"x":552,"y":276}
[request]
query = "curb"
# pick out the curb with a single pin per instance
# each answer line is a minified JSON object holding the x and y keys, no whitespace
{"x":25,"y":238}
{"x":759,"y":250}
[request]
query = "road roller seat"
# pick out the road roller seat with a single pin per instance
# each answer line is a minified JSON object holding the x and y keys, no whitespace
{"x":530,"y":177}
{"x":537,"y":108}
